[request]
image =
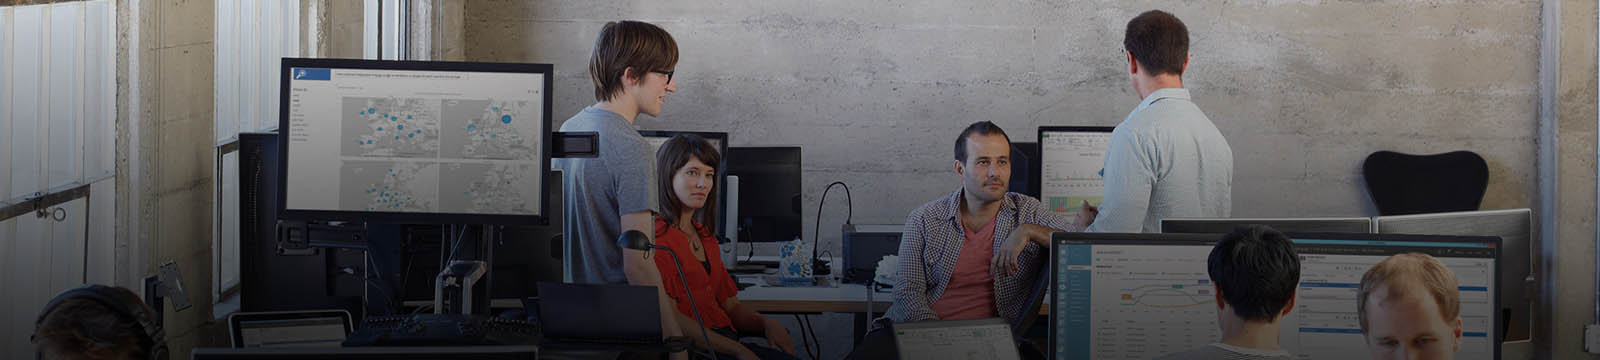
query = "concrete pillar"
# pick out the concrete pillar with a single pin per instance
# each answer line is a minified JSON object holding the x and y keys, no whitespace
{"x":169,"y":176}
{"x":1570,"y":102}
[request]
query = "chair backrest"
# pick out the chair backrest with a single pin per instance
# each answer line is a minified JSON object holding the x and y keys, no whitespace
{"x":1402,"y":184}
{"x":1036,"y":297}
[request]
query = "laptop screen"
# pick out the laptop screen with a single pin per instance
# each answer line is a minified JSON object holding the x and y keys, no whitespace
{"x":310,"y":330}
{"x":956,"y":339}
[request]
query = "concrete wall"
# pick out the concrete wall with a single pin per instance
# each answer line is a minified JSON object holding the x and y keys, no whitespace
{"x":876,"y":91}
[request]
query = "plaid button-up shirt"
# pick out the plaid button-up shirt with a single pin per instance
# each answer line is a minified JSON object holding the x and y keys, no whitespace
{"x":932,"y":241}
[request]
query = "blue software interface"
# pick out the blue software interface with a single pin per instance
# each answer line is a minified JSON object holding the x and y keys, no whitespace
{"x":1143,"y":300}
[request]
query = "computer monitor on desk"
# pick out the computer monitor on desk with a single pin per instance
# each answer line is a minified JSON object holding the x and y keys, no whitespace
{"x":414,"y":142}
{"x":1147,"y":295}
{"x":769,"y":192}
{"x":865,"y":245}
{"x":1024,"y":162}
{"x":1515,"y":229}
{"x":1070,"y":163}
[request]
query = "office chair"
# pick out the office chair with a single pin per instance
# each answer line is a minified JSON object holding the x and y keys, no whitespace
{"x":1036,"y":297}
{"x":1402,"y":184}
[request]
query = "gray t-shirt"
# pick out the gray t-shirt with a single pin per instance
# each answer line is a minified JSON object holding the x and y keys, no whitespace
{"x":1220,"y":351}
{"x":597,"y":191}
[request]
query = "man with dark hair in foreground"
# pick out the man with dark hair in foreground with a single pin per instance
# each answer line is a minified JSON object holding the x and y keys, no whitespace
{"x":1255,"y":273}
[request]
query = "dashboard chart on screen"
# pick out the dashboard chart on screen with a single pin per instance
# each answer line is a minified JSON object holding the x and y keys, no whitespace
{"x":370,"y":140}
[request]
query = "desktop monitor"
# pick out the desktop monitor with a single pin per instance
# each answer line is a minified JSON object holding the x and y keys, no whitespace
{"x":414,"y":142}
{"x":1147,"y":295}
{"x":769,"y":192}
{"x":1515,"y":229}
{"x":864,"y":246}
{"x":1024,"y":162}
{"x":1359,"y":225}
{"x":1071,"y":163}
{"x":718,"y":140}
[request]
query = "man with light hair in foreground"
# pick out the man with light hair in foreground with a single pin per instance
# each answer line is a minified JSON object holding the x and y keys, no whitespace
{"x":1410,"y":308}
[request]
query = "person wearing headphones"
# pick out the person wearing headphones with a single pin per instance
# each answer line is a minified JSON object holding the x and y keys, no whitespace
{"x":98,"y":322}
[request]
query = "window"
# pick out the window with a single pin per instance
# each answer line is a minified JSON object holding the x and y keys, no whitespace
{"x":251,"y":37}
{"x":57,"y":97}
{"x":57,"y":125}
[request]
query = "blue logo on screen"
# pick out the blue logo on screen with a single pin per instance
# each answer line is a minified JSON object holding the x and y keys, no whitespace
{"x":310,"y":74}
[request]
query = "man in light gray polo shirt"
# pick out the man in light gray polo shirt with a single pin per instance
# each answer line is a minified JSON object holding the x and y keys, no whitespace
{"x":632,"y":68}
{"x":1167,"y":159}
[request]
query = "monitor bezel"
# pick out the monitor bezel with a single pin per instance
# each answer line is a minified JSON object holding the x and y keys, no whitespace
{"x":722,"y":170}
{"x":285,"y":132}
{"x":1079,"y":238}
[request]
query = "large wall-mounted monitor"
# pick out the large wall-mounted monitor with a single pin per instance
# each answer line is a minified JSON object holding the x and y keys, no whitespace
{"x":1071,"y":163}
{"x":415,"y":142}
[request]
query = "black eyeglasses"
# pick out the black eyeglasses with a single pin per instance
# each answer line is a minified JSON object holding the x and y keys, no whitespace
{"x":664,"y":72}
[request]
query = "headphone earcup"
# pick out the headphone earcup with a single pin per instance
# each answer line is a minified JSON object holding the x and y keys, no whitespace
{"x":123,"y":303}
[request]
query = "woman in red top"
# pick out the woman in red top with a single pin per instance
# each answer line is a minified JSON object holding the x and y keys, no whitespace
{"x":686,"y":166}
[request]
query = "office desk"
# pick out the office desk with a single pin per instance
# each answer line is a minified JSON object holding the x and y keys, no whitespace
{"x":846,"y":298}
{"x":843,"y":298}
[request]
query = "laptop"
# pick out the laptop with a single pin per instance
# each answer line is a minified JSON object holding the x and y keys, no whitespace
{"x":289,"y":329}
{"x":596,"y":313}
{"x":956,"y":339}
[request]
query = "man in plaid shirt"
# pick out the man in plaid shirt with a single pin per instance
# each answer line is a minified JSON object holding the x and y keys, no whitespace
{"x":976,"y":252}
